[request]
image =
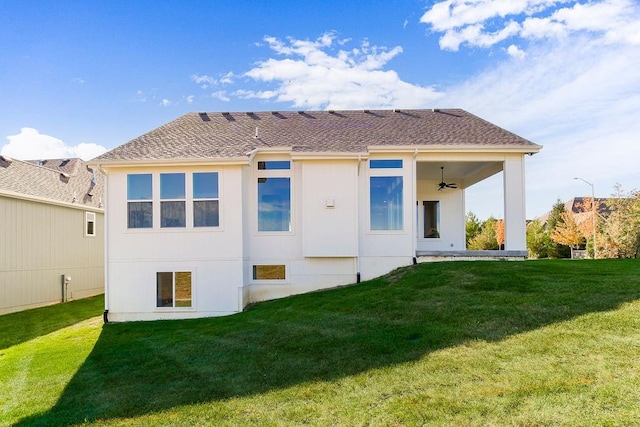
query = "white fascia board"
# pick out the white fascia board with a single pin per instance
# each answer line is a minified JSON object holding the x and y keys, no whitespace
{"x":530,"y":149}
{"x":329,"y":156}
{"x":14,"y":195}
{"x":170,"y":162}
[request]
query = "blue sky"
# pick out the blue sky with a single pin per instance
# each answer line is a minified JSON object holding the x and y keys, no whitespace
{"x":80,"y":77}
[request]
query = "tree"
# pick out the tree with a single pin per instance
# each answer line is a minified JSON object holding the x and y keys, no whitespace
{"x":620,"y":235}
{"x":556,"y":250}
{"x":486,"y":239}
{"x":472,"y":226}
{"x":498,"y":228}
{"x":538,"y":241}
{"x":567,"y":232}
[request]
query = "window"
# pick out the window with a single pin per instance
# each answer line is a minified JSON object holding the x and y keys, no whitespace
{"x":274,"y":196}
{"x":385,"y":164}
{"x":89,"y":224}
{"x":140,"y":211}
{"x":431,"y":219}
{"x":269,"y":272}
{"x":173,"y":289}
{"x":274,"y":164}
{"x":205,"y":200}
{"x":172,"y":196}
{"x":386,"y":211}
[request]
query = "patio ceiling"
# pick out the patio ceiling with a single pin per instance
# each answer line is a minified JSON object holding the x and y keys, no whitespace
{"x":465,"y":174}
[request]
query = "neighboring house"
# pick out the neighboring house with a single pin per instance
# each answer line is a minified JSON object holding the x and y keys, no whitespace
{"x":581,"y":208}
{"x":51,"y":228}
{"x":213,"y":211}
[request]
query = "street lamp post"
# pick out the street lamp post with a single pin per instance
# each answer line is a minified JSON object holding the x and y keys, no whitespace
{"x":593,"y":219}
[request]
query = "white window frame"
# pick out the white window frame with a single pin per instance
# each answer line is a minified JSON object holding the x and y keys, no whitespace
{"x":156,"y":203}
{"x":89,"y":218}
{"x":387,"y":172}
{"x":191,"y":199}
{"x":173,"y":289}
{"x":274,"y":173}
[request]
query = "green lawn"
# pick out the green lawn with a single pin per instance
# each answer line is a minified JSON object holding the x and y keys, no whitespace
{"x":465,"y":343}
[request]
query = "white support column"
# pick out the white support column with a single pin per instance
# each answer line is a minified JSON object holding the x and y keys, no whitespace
{"x":515,"y":234}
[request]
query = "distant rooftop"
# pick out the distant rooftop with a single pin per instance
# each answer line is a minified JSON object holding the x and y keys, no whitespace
{"x":59,"y":180}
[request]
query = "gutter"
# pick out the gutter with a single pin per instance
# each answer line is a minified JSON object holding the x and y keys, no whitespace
{"x":105,"y":315}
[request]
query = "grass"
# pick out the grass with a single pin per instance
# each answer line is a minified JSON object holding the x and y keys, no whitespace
{"x":465,"y":343}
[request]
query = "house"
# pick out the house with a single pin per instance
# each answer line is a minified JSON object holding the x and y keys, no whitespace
{"x":213,"y":211}
{"x":52,"y":244}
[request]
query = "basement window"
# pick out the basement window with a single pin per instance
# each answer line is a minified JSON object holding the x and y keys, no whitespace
{"x":173,"y":289}
{"x":269,"y":272}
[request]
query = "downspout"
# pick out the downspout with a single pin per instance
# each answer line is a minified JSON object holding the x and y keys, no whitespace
{"x":358,"y":219}
{"x":105,"y":315}
{"x":251,"y":154}
{"x":414,"y":223}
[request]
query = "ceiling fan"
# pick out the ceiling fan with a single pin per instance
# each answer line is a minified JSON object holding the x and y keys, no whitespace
{"x":444,"y":184}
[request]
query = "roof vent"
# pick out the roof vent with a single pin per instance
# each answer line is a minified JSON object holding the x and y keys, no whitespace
{"x":396,"y":110}
{"x":435,"y":110}
{"x":205,"y":117}
{"x":5,"y":159}
{"x":366,"y":111}
{"x":257,"y":135}
{"x":65,"y":175}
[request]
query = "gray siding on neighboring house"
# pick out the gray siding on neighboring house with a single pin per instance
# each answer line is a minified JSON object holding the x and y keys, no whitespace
{"x":41,"y":242}
{"x":43,"y":233}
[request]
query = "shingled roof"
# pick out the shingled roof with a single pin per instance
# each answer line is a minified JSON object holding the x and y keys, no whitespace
{"x":229,"y":135}
{"x":57,"y":180}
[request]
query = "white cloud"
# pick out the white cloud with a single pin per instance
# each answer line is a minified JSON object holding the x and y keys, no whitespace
{"x":314,"y":75}
{"x":516,"y":52}
{"x":190,"y":99}
{"x":166,"y":103}
{"x":484,"y":23}
{"x":29,"y":144}
{"x":221,"y":95}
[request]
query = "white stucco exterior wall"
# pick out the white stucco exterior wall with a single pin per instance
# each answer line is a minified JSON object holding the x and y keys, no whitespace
{"x":213,"y":255}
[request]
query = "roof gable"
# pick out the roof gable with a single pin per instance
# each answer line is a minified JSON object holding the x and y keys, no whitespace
{"x":229,"y":135}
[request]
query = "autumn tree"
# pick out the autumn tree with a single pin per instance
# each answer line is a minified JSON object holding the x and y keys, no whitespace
{"x":556,"y":250}
{"x":567,"y":232}
{"x":498,"y":228}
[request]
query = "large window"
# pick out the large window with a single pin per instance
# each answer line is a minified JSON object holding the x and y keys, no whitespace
{"x":173,"y":289}
{"x":431,"y":219}
{"x":139,"y":204}
{"x":274,"y":196}
{"x":386,"y":202}
{"x":205,"y":200}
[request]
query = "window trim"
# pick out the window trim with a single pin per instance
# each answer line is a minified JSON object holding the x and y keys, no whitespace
{"x":88,"y":221}
{"x":274,"y":173}
{"x":173,"y":272}
{"x":140,"y":201}
{"x":156,"y":202}
{"x":389,"y":172}
{"x":164,"y":201}
{"x":195,"y":199}
{"x":437,"y":227}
